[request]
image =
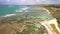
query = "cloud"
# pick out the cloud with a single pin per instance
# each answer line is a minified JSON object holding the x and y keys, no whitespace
{"x":29,"y":2}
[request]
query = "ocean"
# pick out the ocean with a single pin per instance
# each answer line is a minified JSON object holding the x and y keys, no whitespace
{"x":9,"y":10}
{"x":14,"y":9}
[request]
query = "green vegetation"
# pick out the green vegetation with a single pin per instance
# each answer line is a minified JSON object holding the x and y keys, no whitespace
{"x":35,"y":28}
{"x":54,"y":28}
{"x":59,"y":25}
{"x":55,"y":12}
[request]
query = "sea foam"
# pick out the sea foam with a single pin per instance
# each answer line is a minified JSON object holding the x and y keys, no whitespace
{"x":8,"y":15}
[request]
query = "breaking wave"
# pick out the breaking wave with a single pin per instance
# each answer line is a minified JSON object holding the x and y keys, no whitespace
{"x":8,"y":15}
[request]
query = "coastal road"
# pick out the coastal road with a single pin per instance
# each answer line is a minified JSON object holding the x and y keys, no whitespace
{"x":48,"y":27}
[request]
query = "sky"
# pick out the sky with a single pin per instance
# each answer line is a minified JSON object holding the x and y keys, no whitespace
{"x":29,"y":2}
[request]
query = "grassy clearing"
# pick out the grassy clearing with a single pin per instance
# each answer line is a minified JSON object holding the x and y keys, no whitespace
{"x":59,"y":25}
{"x":54,"y":28}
